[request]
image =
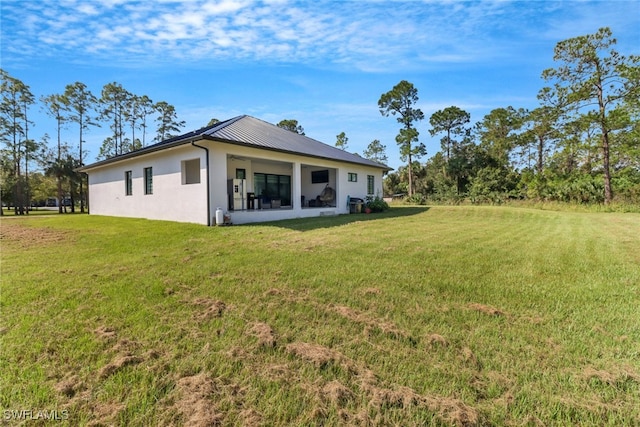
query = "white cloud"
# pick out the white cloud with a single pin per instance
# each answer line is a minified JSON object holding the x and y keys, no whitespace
{"x":370,"y":36}
{"x":226,"y":6}
{"x":87,"y":9}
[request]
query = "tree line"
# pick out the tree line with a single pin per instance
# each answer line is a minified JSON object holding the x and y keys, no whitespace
{"x":581,"y":144}
{"x":127,"y":115}
{"x":375,"y":151}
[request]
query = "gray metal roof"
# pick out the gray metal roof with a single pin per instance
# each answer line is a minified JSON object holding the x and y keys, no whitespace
{"x":255,"y":132}
{"x":249,"y":131}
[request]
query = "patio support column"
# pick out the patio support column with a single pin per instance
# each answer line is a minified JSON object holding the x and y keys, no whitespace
{"x":296,"y":184}
{"x":339,"y":196}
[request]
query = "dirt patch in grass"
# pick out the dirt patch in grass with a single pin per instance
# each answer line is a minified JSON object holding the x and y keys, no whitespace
{"x":27,"y":237}
{"x":196,"y":403}
{"x":436,"y":340}
{"x":469,"y":358}
{"x":273,"y":292}
{"x":287,"y":295}
{"x":279,"y":372}
{"x":105,"y":332}
{"x":337,"y":393}
{"x":319,"y":355}
{"x":265,"y":334}
{"x":486,"y":309}
{"x":119,"y":363}
{"x":250,"y":418}
{"x":494,"y":385}
{"x":383,"y":326}
{"x":105,"y":413}
{"x":614,"y":377}
{"x":452,"y":411}
{"x":212,"y":308}
{"x":69,"y":386}
{"x":125,"y":346}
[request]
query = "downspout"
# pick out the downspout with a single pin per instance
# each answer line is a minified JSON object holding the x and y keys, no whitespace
{"x":208,"y":183}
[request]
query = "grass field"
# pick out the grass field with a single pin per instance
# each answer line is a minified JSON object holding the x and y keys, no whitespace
{"x":417,"y":316}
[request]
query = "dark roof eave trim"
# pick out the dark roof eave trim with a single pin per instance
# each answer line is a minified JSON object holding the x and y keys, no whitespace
{"x":144,"y":151}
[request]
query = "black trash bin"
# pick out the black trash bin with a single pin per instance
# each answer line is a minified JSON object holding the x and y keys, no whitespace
{"x":355,"y":205}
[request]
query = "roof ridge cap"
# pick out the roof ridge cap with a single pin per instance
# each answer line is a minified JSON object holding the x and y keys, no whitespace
{"x":220,"y":125}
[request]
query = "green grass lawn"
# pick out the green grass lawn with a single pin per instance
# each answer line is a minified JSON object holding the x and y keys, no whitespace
{"x":417,"y":316}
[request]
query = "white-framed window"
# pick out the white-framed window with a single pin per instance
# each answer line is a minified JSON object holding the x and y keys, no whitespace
{"x":352,"y":177}
{"x":128,"y":183}
{"x":191,"y":171}
{"x":148,"y":180}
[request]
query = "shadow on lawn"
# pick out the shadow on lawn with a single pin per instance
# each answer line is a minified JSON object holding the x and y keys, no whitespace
{"x":307,"y":224}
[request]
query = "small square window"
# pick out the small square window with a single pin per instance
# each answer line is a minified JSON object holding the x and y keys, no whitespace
{"x":352,"y":177}
{"x":191,"y":171}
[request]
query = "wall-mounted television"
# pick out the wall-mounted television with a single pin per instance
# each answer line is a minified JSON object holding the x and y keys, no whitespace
{"x":319,"y":177}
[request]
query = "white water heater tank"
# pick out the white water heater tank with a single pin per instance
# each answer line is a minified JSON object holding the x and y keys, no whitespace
{"x":219,"y":216}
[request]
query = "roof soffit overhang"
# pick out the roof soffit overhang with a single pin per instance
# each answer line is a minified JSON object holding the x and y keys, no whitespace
{"x":295,"y":153}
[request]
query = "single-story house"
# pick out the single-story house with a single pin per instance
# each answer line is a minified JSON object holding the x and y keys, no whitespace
{"x":248,"y":168}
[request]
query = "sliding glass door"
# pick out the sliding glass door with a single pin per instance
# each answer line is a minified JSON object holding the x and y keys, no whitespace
{"x":271,"y":186}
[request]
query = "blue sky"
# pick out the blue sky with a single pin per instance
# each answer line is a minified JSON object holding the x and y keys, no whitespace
{"x":323,"y":63}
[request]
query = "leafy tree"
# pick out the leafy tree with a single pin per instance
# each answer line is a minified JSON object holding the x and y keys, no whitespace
{"x":107,"y":148}
{"x":376,"y":151}
{"x":42,"y":187}
{"x":594,"y":80}
{"x":66,"y":167}
{"x":497,"y":133}
{"x":462,"y":164}
{"x":401,"y":101}
{"x":129,"y":145}
{"x":451,"y":121}
{"x":145,"y":108}
{"x":495,"y":178}
{"x":541,"y":133}
{"x":437,"y":184}
{"x":213,"y":122}
{"x":7,"y":177}
{"x":393,"y":184}
{"x":291,"y":125}
{"x":14,"y":102}
{"x":167,"y":120}
{"x":342,"y":141}
{"x":55,"y":106}
{"x":30,"y":146}
{"x":493,"y":185}
{"x":397,"y":183}
{"x":80,"y":102}
{"x":626,"y":159}
{"x":113,"y":105}
{"x":132,"y":115}
{"x":32,"y":149}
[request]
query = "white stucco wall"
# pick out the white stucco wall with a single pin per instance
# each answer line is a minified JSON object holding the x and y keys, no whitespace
{"x":171,"y":199}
